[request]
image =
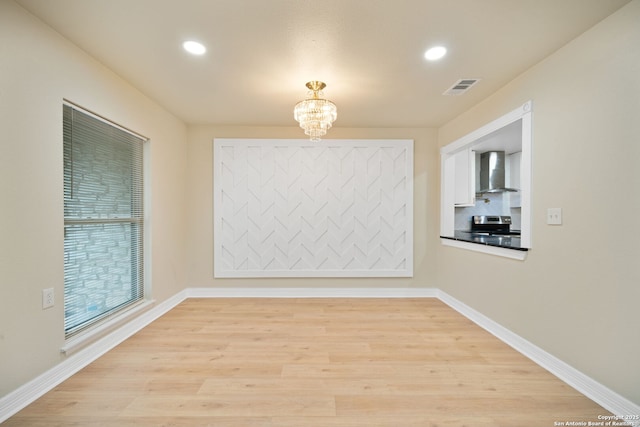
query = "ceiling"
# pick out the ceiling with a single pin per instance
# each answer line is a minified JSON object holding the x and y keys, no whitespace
{"x":369,"y":52}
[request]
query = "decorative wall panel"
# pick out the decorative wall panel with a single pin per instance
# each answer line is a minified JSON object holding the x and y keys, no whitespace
{"x":293,"y":208}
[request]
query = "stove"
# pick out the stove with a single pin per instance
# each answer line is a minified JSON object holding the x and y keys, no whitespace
{"x":492,"y":225}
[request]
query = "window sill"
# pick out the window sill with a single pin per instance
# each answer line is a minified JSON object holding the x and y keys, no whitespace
{"x":102,"y":329}
{"x":520,"y":255}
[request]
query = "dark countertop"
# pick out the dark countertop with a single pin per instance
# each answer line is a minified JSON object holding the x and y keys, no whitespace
{"x":509,"y":242}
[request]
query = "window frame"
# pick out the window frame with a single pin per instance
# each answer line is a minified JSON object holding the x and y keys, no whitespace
{"x":523,"y":113}
{"x":137,"y":220}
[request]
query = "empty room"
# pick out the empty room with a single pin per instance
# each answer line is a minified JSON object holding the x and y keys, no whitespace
{"x":341,"y":213}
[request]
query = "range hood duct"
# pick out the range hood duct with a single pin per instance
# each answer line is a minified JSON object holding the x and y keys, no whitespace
{"x":492,"y":173}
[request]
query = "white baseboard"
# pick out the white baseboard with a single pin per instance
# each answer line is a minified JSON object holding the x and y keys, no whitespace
{"x":28,"y":393}
{"x":311,"y":292}
{"x":603,"y":396}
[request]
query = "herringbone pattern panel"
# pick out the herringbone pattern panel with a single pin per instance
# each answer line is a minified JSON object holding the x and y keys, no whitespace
{"x":293,"y":208}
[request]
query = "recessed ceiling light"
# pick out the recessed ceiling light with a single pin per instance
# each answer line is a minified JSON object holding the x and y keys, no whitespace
{"x":435,"y":53}
{"x":194,"y":48}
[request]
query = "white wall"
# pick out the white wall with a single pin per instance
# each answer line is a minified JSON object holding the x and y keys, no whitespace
{"x":426,"y":157}
{"x":577,"y":295}
{"x":38,"y":68}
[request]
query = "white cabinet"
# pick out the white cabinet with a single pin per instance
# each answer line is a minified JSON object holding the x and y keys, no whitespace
{"x":514,"y":162}
{"x":465,"y":178}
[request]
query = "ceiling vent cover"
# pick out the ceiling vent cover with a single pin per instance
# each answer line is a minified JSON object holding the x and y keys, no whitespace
{"x":461,"y":86}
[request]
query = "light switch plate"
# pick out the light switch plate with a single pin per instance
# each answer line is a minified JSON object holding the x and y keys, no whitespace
{"x":554,"y":216}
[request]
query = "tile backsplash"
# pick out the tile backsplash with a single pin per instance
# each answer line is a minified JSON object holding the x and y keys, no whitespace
{"x":488,"y":204}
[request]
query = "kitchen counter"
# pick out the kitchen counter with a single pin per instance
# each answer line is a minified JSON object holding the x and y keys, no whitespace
{"x":509,"y":242}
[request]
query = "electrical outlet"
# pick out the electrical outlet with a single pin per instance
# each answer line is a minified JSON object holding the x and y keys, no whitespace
{"x":554,"y":216}
{"x":47,"y":298}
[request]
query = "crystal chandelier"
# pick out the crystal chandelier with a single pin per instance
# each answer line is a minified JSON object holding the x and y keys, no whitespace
{"x":315,"y":114}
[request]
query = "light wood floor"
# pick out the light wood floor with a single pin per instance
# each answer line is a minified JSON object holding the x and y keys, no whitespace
{"x":311,"y":362}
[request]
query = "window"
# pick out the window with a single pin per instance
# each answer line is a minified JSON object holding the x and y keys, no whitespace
{"x":103,"y":219}
{"x":511,"y":133}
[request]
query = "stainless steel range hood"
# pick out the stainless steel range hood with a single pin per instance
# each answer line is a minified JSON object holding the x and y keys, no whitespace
{"x":492,"y":173}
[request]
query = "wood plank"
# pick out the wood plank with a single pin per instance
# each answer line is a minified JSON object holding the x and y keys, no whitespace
{"x":444,"y":405}
{"x":273,"y":404}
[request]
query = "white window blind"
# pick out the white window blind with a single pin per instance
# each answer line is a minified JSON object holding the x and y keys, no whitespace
{"x":103,"y":219}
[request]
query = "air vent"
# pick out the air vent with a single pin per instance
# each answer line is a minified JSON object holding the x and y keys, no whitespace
{"x":461,"y":86}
